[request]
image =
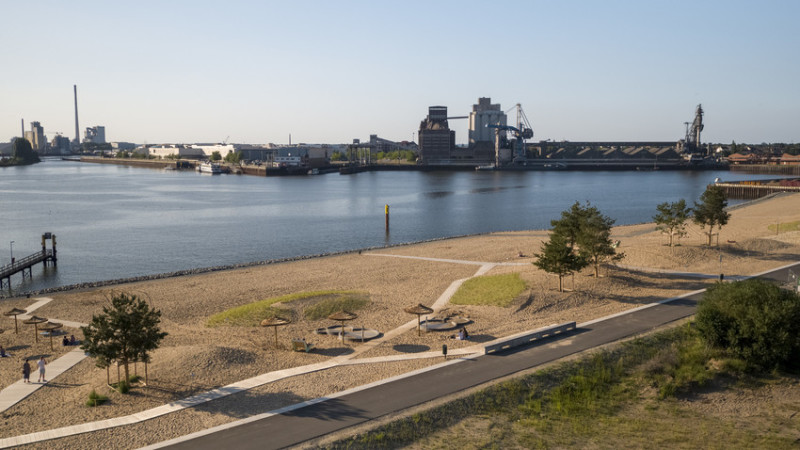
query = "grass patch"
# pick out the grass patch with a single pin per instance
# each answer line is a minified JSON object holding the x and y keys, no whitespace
{"x":343,"y":301}
{"x":95,"y":399}
{"x":252,"y":314}
{"x":784,"y":227}
{"x":612,"y":399}
{"x":492,"y":290}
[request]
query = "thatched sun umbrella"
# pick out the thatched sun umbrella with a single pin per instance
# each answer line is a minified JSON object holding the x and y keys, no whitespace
{"x":50,"y":327}
{"x":275,"y":322}
{"x":15,"y":312}
{"x":35,"y":321}
{"x":343,"y":316}
{"x":419,"y":310}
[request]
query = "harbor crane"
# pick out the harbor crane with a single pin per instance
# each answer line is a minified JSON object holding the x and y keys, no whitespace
{"x":522,"y":131}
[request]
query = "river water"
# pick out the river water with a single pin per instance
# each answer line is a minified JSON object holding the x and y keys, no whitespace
{"x":117,"y":222}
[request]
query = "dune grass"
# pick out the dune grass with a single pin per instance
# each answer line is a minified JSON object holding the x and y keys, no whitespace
{"x":784,"y":227}
{"x":343,"y":301}
{"x":623,"y":398}
{"x":252,"y":314}
{"x":491,"y":290}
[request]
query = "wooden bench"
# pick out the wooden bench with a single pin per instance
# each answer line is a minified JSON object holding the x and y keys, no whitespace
{"x":527,"y":337}
{"x":299,"y":345}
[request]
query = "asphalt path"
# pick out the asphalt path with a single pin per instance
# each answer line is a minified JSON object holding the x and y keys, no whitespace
{"x":313,"y":421}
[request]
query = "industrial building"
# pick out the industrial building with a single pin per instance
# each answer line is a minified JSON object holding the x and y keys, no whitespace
{"x":483,"y":114}
{"x":60,"y":145}
{"x":36,"y":137}
{"x":436,"y":139}
{"x":95,"y":135}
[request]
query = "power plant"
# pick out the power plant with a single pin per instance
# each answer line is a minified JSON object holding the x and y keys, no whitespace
{"x":491,"y":140}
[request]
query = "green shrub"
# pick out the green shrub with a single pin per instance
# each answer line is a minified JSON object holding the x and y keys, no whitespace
{"x":754,"y":320}
{"x":493,"y":290}
{"x":95,"y":399}
{"x":123,"y":387}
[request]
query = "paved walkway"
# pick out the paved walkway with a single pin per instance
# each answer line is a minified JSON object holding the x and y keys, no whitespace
{"x":680,"y":274}
{"x":244,"y":385}
{"x":18,"y":391}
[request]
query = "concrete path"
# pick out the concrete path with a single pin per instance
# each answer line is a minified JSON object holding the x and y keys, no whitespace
{"x":452,"y":261}
{"x":18,"y":391}
{"x":680,"y":274}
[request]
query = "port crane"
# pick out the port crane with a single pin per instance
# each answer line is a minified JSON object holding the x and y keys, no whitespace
{"x":522,"y":131}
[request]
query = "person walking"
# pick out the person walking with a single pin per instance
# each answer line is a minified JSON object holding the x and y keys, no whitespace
{"x":26,"y":372}
{"x":41,"y":363}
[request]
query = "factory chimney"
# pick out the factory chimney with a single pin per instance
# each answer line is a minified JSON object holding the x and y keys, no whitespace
{"x":77,"y":130}
{"x":23,"y":128}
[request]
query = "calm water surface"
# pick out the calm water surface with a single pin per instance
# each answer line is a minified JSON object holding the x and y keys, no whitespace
{"x":116,"y":221}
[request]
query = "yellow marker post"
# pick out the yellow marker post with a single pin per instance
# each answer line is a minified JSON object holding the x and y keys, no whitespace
{"x":387,"y":218}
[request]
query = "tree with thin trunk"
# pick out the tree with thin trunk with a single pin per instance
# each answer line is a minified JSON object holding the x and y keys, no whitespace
{"x":710,"y":212}
{"x":126,"y":331}
{"x":594,"y":239}
{"x":559,"y":258}
{"x":671,"y":219}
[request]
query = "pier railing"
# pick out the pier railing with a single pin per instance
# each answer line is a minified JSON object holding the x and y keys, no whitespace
{"x":25,"y":263}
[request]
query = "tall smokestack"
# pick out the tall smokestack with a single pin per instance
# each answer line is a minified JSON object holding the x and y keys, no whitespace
{"x":77,"y":130}
{"x":23,"y":128}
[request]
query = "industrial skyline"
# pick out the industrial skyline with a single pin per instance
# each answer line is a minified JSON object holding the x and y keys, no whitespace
{"x":330,"y":72}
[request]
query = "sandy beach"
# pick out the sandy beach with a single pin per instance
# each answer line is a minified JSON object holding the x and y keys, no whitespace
{"x":195,"y":358}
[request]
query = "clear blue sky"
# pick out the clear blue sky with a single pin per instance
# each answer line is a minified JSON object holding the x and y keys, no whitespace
{"x":331,"y":71}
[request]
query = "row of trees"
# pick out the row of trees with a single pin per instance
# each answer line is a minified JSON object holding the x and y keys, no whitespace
{"x":709,"y":214}
{"x":582,"y":236}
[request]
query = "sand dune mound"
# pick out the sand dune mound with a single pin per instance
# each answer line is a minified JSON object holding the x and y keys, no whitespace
{"x":763,"y":245}
{"x":202,"y":359}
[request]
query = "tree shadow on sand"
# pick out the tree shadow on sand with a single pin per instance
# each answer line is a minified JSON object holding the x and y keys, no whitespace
{"x":333,"y":351}
{"x":245,"y":404}
{"x":410,"y":348}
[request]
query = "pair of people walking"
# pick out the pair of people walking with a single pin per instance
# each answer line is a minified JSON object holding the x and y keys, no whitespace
{"x":26,"y":370}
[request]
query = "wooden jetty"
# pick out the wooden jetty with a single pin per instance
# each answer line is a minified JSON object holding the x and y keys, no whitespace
{"x":47,"y":255}
{"x":758,"y":188}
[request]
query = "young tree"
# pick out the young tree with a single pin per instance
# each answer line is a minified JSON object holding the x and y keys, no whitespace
{"x":559,"y":258}
{"x":594,"y":239}
{"x":671,"y":218}
{"x":126,"y":331}
{"x":215,"y":155}
{"x":710,"y":212}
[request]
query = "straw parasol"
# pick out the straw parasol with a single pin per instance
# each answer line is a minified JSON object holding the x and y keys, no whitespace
{"x":343,"y":316}
{"x":50,"y":327}
{"x":275,"y":322}
{"x":35,"y":320}
{"x":15,"y":312}
{"x":419,"y":310}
